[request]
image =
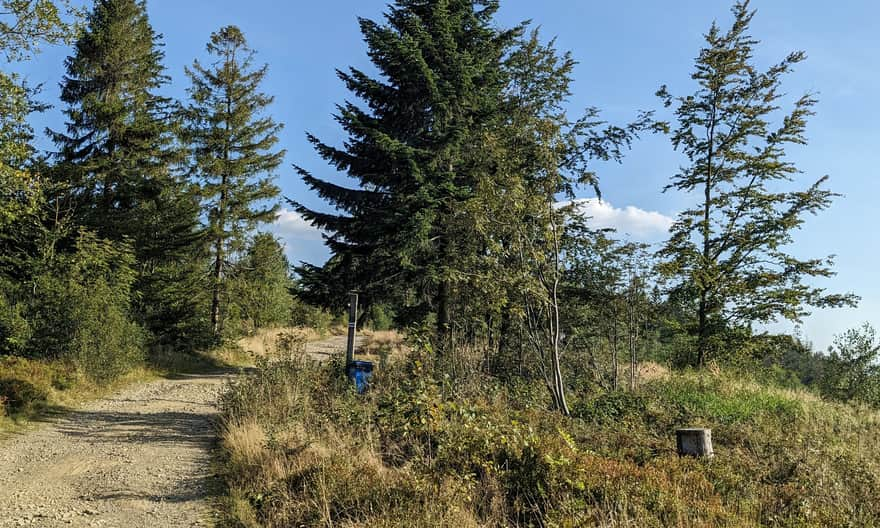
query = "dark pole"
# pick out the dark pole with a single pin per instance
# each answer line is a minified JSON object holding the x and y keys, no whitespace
{"x":352,"y":327}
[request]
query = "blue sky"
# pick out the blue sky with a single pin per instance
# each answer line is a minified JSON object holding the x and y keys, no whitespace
{"x":626,"y":50}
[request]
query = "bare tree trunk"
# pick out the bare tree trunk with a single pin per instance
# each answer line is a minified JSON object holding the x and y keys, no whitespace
{"x":442,"y":315}
{"x":702,"y":330}
{"x":615,"y":365}
{"x":218,"y":278}
{"x":220,"y":221}
{"x":218,"y":261}
{"x":562,"y":405}
{"x":633,"y":338}
{"x":703,"y":320}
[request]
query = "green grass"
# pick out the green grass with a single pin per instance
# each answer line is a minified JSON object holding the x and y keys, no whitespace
{"x":725,"y":401}
{"x":300,"y":448}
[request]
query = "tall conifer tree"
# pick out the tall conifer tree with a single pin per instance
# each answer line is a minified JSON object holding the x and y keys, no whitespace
{"x":731,"y":246}
{"x":118,"y":156}
{"x":118,"y":150}
{"x":233,"y":144}
{"x":401,"y":235}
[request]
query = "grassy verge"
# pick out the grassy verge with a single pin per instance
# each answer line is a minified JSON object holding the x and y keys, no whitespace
{"x":267,"y":342}
{"x":31,"y":389}
{"x":300,"y":448}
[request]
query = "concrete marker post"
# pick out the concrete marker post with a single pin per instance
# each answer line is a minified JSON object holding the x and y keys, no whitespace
{"x":694,"y":442}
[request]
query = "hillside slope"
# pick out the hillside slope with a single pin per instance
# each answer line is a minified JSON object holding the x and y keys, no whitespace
{"x":301,"y":448}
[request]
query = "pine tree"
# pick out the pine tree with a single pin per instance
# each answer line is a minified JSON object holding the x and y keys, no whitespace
{"x":118,"y":150}
{"x":262,"y":283}
{"x":118,"y":157}
{"x":232,"y":143}
{"x":401,"y":235}
{"x":731,"y":246}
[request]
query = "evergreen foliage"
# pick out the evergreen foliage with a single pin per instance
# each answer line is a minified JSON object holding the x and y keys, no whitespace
{"x":118,"y":149}
{"x":261,"y":287}
{"x":852,"y":371}
{"x":118,"y":155}
{"x":233,"y":144}
{"x":403,"y":234}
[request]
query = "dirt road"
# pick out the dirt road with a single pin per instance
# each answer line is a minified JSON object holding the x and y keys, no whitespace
{"x":138,"y":459}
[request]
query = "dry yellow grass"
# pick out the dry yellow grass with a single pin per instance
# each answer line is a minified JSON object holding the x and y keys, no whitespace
{"x":56,"y":385}
{"x":650,"y":371}
{"x":383,"y":345}
{"x":245,"y":442}
{"x":266,"y":340}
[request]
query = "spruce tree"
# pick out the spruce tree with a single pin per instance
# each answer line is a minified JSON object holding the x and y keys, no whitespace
{"x":262,"y":284}
{"x":118,"y":150}
{"x":118,"y":157}
{"x":232,"y":142}
{"x":401,"y":234}
{"x":732,"y":245}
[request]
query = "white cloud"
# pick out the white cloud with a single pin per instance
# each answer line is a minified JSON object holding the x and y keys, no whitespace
{"x":647,"y":226}
{"x":302,"y":241}
{"x":290,"y":225}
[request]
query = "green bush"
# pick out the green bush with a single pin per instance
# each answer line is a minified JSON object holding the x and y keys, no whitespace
{"x":611,"y":407}
{"x":15,"y":331}
{"x":380,"y":317}
{"x":20,"y":397}
{"x":260,"y":288}
{"x":306,"y":315}
{"x":852,"y":372}
{"x":80,"y":310}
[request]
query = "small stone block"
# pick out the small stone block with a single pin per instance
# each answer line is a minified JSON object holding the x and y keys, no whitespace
{"x":694,"y":442}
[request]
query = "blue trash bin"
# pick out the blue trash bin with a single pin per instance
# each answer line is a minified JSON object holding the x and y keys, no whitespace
{"x":360,"y":373}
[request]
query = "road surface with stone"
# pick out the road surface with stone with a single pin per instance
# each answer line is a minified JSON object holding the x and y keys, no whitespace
{"x":141,"y":458}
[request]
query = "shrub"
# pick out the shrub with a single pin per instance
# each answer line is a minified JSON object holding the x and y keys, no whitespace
{"x":15,"y":331}
{"x":306,"y":315}
{"x":853,"y":368}
{"x":380,"y":317}
{"x":21,"y":397}
{"x":261,"y":285}
{"x":80,"y":310}
{"x":423,"y":448}
{"x":611,"y":407}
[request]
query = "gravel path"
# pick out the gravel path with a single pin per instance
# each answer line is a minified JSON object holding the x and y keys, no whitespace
{"x":323,"y":350}
{"x":138,"y":459}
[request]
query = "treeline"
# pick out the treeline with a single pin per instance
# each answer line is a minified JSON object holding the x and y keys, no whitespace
{"x":139,"y":233}
{"x":464,"y":219}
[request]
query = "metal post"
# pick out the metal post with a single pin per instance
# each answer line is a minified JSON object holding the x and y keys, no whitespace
{"x":352,"y":327}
